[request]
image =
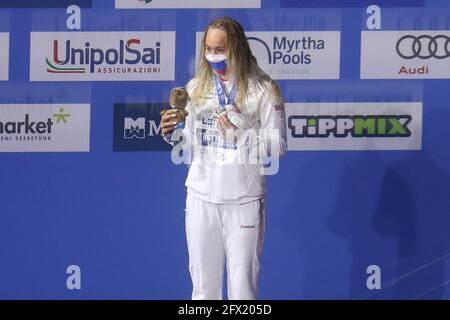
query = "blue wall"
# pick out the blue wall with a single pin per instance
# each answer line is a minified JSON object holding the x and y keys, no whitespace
{"x":331,"y":214}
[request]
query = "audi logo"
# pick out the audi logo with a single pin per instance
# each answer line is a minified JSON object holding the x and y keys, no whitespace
{"x":423,"y":47}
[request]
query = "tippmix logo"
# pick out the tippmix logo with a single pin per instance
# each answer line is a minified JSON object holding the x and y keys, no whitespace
{"x":354,"y":126}
{"x":102,"y":56}
{"x":343,"y":126}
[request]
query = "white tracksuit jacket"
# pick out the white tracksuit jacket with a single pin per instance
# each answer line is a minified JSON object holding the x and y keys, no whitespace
{"x":225,"y":210}
{"x":223,"y":175}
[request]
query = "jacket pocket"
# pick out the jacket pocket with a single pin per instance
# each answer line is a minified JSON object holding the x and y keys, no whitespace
{"x":199,"y":178}
{"x":230,"y":181}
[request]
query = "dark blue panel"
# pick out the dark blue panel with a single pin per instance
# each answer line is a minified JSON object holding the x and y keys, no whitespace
{"x":136,"y":127}
{"x":350,"y":3}
{"x":45,"y":3}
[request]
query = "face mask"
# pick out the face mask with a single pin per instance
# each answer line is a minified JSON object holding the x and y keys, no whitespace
{"x":218,"y":62}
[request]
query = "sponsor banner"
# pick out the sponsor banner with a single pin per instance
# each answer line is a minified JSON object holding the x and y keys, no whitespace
{"x":45,"y":3}
{"x":44,"y":127}
{"x":4,"y":56}
{"x":295,"y":54}
{"x":354,"y":126}
{"x":349,"y":3}
{"x":405,"y":54}
{"x":102,"y":56}
{"x":418,"y":18}
{"x":186,"y":4}
{"x":137,"y":127}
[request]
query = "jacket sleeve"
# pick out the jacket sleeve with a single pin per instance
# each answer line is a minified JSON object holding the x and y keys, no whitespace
{"x":270,"y":140}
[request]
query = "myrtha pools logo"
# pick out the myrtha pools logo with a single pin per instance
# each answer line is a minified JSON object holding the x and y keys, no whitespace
{"x":297,"y":55}
{"x":102,"y":56}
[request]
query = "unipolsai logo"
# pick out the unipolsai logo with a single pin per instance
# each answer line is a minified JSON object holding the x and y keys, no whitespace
{"x":103,"y":56}
{"x":137,"y":127}
{"x":297,"y":55}
{"x":40,"y":127}
{"x":126,"y":53}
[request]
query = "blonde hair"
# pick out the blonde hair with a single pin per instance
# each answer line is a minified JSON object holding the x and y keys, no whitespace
{"x":240,"y":60}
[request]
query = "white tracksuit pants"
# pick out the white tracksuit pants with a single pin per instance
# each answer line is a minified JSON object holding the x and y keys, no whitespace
{"x":219,"y":233}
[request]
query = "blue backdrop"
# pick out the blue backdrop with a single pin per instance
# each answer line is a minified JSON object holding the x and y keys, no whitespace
{"x":119,"y":216}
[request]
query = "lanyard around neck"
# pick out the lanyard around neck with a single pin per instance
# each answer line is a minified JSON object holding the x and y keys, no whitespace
{"x":223,"y":99}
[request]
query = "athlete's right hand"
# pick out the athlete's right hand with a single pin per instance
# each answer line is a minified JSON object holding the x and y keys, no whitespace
{"x":167,"y":122}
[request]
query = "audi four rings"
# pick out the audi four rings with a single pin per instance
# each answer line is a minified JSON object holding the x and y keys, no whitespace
{"x":423,"y":47}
